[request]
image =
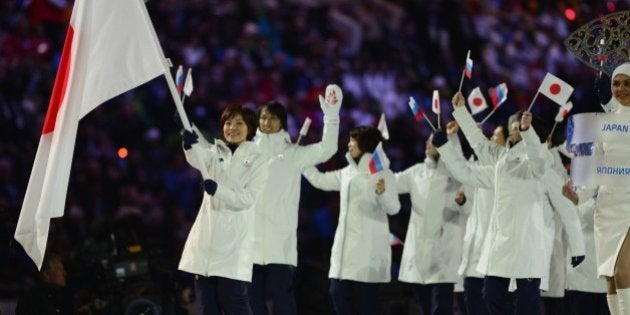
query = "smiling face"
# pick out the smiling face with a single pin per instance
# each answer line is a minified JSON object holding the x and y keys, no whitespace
{"x":235,"y":129}
{"x":621,"y":89}
{"x":268,"y":122}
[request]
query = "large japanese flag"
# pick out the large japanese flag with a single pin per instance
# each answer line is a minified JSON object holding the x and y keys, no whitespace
{"x":555,"y":89}
{"x":110,"y":48}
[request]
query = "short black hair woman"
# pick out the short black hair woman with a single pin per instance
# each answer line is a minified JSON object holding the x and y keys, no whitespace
{"x":220,"y":243}
{"x":361,"y":255}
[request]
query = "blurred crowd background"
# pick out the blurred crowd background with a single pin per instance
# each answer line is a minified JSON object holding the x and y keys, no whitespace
{"x":380,"y":52}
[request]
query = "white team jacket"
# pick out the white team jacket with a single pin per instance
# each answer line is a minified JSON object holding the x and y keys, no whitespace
{"x":220,"y":242}
{"x":361,"y":250}
{"x":277,"y":210}
{"x":432,"y":249}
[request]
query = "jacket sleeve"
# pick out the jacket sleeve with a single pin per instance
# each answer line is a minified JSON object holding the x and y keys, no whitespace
{"x":539,"y":158}
{"x":404,"y":179}
{"x":567,"y":211}
{"x":200,"y":156}
{"x":242,"y":197}
{"x":465,"y":173}
{"x":320,"y":152}
{"x":329,"y":181}
{"x":388,"y":200}
{"x":487,"y":151}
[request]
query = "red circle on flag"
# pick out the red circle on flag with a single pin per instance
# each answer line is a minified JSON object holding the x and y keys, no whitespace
{"x":555,"y":88}
{"x":477,"y":101}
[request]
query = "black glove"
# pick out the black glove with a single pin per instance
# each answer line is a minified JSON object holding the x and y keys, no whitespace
{"x":209,"y":186}
{"x":602,"y":89}
{"x":576,"y":260}
{"x":190,"y":138}
{"x":439,"y":138}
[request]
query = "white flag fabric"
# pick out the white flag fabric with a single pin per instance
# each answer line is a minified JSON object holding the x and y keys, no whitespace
{"x":110,"y":48}
{"x":476,"y":101}
{"x":435,"y":104}
{"x":188,"y":84}
{"x":382,"y":127}
{"x":305,"y":126}
{"x":555,"y":89}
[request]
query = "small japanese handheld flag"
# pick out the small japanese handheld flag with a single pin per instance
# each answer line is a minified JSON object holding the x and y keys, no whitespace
{"x":555,"y":89}
{"x":469,"y":66}
{"x":382,"y":127}
{"x":563,"y":112}
{"x":476,"y":101}
{"x":435,"y":104}
{"x":188,"y":84}
{"x":415,"y":109}
{"x":498,"y":95}
{"x":305,"y":126}
{"x":378,"y":161}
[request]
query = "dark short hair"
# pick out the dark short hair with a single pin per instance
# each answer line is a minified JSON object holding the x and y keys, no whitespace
{"x":539,"y":125}
{"x":248,"y":116}
{"x":367,"y":137}
{"x":277,"y":110}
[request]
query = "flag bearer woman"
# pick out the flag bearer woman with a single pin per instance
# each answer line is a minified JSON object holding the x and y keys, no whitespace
{"x":219,"y":249}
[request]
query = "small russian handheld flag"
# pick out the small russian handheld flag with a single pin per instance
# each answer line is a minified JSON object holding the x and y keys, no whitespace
{"x":179,"y":79}
{"x":188,"y":83}
{"x":394,"y":240}
{"x":498,"y":95}
{"x":469,"y":66}
{"x":415,"y":109}
{"x":379,"y":161}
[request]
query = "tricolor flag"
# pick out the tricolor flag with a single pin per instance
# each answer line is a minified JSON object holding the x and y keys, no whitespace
{"x":563,"y":112}
{"x":435,"y":103}
{"x":498,"y":95}
{"x":394,"y":240}
{"x":382,"y":127}
{"x":110,"y":48}
{"x":188,"y":83}
{"x":415,"y":109}
{"x":476,"y":101}
{"x":555,"y":89}
{"x":179,"y":79}
{"x":378,"y":161}
{"x":469,"y":66}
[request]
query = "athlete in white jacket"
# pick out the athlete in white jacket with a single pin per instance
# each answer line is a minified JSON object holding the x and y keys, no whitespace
{"x":275,"y":241}
{"x":515,"y":233}
{"x":361,"y":255}
{"x":219,"y":247}
{"x":432,"y":249}
{"x":612,"y":213}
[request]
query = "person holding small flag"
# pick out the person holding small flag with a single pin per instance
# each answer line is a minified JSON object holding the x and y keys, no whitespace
{"x":612,"y":210}
{"x":512,"y":245}
{"x":220,"y":246}
{"x":275,"y":242}
{"x":433,"y":243}
{"x":360,"y":258}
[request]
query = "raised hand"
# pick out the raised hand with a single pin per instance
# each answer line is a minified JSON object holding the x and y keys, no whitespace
{"x":331,"y":103}
{"x":567,"y":191}
{"x":458,"y":100}
{"x":190,"y":138}
{"x":452,"y":128}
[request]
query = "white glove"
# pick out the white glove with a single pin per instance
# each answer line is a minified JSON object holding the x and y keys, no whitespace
{"x":331,"y":104}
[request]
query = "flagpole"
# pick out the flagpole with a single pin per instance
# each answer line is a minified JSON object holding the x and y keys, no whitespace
{"x":430,"y":124}
{"x":182,"y":114}
{"x":438,"y":121}
{"x":529,"y":109}
{"x":552,"y":129}
{"x":492,"y":112}
{"x":461,"y":81}
{"x":600,"y":55}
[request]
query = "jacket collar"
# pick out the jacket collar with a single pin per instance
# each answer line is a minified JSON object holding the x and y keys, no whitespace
{"x":364,"y":161}
{"x":272,"y":143}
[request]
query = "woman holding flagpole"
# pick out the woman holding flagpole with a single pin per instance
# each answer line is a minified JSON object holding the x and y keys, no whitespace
{"x":612,"y":212}
{"x":220,"y":243}
{"x":361,"y":255}
{"x":275,"y":239}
